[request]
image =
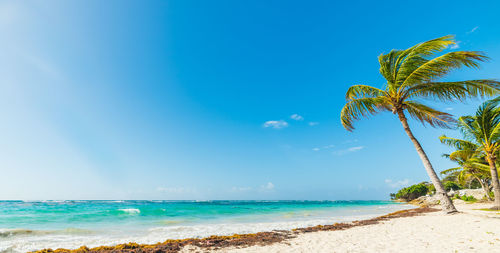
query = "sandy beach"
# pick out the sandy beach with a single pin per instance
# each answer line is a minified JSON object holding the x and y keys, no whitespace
{"x":471,"y":230}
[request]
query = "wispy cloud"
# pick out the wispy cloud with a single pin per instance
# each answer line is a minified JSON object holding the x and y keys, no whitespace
{"x":263,"y":188}
{"x":348,"y":150}
{"x":296,"y":117}
{"x":276,"y":124}
{"x":241,"y":189}
{"x":313,"y":123}
{"x":324,"y":147}
{"x":397,"y":184}
{"x":354,"y":149}
{"x":350,"y":141}
{"x":267,"y":187}
{"x":175,"y":189}
{"x":473,"y":30}
{"x":449,"y":108}
{"x":455,"y":46}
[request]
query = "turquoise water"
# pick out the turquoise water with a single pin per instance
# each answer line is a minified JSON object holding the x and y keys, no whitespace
{"x":40,"y":224}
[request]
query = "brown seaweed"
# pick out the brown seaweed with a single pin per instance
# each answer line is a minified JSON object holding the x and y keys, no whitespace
{"x":237,"y":240}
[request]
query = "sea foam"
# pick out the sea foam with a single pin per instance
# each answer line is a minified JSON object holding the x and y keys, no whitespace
{"x":130,"y":210}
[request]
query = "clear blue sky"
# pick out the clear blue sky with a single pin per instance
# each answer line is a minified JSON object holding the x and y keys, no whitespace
{"x":170,"y":99}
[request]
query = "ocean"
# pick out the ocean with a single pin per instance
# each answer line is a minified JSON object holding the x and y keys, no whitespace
{"x":32,"y":225}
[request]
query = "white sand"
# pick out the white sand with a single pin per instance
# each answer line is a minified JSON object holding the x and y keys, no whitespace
{"x":468,"y":231}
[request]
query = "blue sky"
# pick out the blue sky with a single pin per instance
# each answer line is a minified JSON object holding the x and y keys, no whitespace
{"x":170,"y":99}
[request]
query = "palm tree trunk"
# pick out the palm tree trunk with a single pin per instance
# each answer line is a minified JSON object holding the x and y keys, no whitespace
{"x":494,"y":181}
{"x":446,"y":202}
{"x":485,"y":187}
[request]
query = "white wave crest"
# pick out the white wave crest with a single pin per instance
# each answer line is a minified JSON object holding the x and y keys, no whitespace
{"x":131,"y":210}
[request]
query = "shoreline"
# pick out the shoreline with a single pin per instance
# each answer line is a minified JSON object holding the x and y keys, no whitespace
{"x":27,"y":227}
{"x":473,"y":229}
{"x":242,"y":240}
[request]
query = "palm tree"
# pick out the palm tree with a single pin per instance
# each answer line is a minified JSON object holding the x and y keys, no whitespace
{"x":411,"y":74}
{"x":484,"y":130}
{"x":471,"y":161}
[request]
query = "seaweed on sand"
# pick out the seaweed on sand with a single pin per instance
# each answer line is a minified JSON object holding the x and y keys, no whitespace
{"x":237,"y":240}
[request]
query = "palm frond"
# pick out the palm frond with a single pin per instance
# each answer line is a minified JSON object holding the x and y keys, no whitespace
{"x":484,"y":126}
{"x":464,"y":176}
{"x":433,"y":46}
{"x":462,"y":155}
{"x":451,"y":170}
{"x":495,"y":131}
{"x":360,"y":107}
{"x":480,"y":167}
{"x":442,"y":65}
{"x":446,"y":91}
{"x":469,"y":128}
{"x":426,"y":114}
{"x":414,"y":57}
{"x":362,"y":91}
{"x":388,"y":64}
{"x":458,"y":144}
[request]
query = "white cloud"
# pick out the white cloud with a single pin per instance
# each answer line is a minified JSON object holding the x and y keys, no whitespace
{"x":348,"y":150}
{"x":175,"y":189}
{"x":455,"y":46}
{"x":449,"y":108}
{"x":263,"y":188}
{"x":241,"y":189}
{"x":296,"y":117}
{"x":324,"y":147}
{"x":276,"y":124}
{"x":312,"y":123}
{"x":354,"y":149}
{"x":267,"y":187}
{"x":350,"y":141}
{"x":473,"y":30}
{"x":397,"y":184}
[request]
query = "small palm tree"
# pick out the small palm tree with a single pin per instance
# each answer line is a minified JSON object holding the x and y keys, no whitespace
{"x":471,"y":163}
{"x":411,"y":75}
{"x":483,"y":129}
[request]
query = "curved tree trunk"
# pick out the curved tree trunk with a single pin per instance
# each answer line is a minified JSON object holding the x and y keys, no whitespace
{"x":494,"y":181}
{"x":446,"y":202}
{"x":484,"y":187}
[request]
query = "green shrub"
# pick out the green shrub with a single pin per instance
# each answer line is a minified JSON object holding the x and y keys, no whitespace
{"x":450,"y":185}
{"x":412,"y":192}
{"x":431,"y":189}
{"x":468,"y":198}
{"x":474,"y":184}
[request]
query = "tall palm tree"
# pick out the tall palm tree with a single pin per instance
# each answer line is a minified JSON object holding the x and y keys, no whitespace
{"x":412,"y":74}
{"x":484,"y":130}
{"x":471,"y":162}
